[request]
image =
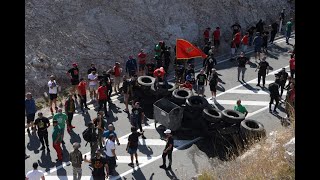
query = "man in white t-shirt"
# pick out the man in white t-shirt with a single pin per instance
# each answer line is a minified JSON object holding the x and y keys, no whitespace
{"x":110,"y":150}
{"x":35,"y":174}
{"x":53,"y":93}
{"x":93,"y":85}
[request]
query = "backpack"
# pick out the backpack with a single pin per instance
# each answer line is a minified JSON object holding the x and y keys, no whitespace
{"x":89,"y":135}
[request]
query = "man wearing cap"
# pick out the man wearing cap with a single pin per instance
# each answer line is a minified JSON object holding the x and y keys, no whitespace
{"x":263,"y":67}
{"x":168,"y":150}
{"x":131,"y":66}
{"x":92,"y":68}
{"x":53,"y":93}
{"x":75,"y":158}
{"x":35,"y":174}
{"x":57,"y":139}
{"x":137,"y":117}
{"x":242,"y":61}
{"x":99,"y":164}
{"x":42,"y":124}
{"x":61,"y":118}
{"x":110,"y":130}
{"x":30,"y":107}
{"x":73,"y":74}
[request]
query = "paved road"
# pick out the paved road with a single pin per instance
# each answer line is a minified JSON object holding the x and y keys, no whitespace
{"x":189,"y":157}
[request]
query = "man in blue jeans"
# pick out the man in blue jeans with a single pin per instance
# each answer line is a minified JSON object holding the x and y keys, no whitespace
{"x":30,"y":107}
{"x":131,"y":66}
{"x":137,"y":117}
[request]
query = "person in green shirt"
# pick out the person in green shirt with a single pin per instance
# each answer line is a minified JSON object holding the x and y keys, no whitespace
{"x":56,"y":139}
{"x":61,"y":118}
{"x":157,"y":49}
{"x":288,"y":30}
{"x":240,"y":108}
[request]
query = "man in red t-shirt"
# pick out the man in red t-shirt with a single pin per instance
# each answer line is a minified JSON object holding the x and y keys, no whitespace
{"x":206,"y":35}
{"x":142,"y":61}
{"x":117,"y":70}
{"x":216,"y":38}
{"x":187,"y":85}
{"x":102,"y":98}
{"x":237,"y":39}
{"x":83,"y":94}
{"x":159,"y":75}
{"x":292,"y":63}
{"x":245,"y":42}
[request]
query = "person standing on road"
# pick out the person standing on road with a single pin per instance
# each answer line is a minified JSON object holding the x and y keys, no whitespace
{"x":93,"y":85}
{"x":35,"y":174}
{"x":93,"y":139}
{"x":274,"y":95}
{"x":137,"y":117}
{"x":265,"y":37}
{"x":237,"y":40}
{"x":216,"y":38}
{"x":251,"y":32}
{"x":61,"y":118}
{"x":83,"y":93}
{"x":102,"y":98}
{"x":131,"y":66}
{"x":209,"y":64}
{"x":117,"y":77}
{"x":292,"y":63}
{"x":168,"y":150}
{"x":242,"y":61}
{"x":245,"y":42}
{"x":99,"y":165}
{"x":283,"y":80}
{"x":73,"y":74}
{"x":110,"y":151}
{"x":206,"y":35}
{"x":213,"y":83}
{"x":42,"y":124}
{"x":57,"y":139}
{"x":263,"y":67}
{"x":31,"y":109}
{"x":259,"y":26}
{"x":201,"y":82}
{"x":240,"y":108}
{"x":257,"y":42}
{"x":235,"y":28}
{"x":125,"y":91}
{"x":76,"y":159}
{"x":142,"y":62}
{"x":288,"y":30}
{"x":110,"y":130}
{"x":53,"y":93}
{"x":274,"y":27}
{"x":132,"y":145}
{"x":99,"y":124}
{"x":70,"y":108}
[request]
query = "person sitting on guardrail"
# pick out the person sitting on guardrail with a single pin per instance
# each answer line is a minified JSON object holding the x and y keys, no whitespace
{"x":238,"y":107}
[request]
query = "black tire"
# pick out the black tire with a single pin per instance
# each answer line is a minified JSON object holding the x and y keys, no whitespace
{"x":197,"y":102}
{"x":164,"y":92}
{"x":179,"y":96}
{"x":252,"y":130}
{"x":172,"y":87}
{"x":212,"y":115}
{"x":233,"y":129}
{"x":231,"y":116}
{"x":146,"y":81}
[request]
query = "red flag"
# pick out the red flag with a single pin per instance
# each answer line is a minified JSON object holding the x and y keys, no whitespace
{"x":185,"y":50}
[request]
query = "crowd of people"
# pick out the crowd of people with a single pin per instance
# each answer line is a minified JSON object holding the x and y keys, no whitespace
{"x":103,"y":139}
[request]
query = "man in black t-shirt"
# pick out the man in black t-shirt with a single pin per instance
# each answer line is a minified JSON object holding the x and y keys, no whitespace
{"x":213,"y":82}
{"x":274,"y":27}
{"x":42,"y":123}
{"x":201,"y":79}
{"x":274,"y":94}
{"x":73,"y":74}
{"x":132,"y":145}
{"x":242,"y":61}
{"x":283,"y":76}
{"x":209,"y":64}
{"x":92,"y":68}
{"x":168,"y":150}
{"x":263,"y":71}
{"x":137,"y":117}
{"x":98,"y":163}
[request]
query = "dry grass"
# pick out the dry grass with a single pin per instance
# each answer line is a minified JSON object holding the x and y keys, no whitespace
{"x":264,"y":160}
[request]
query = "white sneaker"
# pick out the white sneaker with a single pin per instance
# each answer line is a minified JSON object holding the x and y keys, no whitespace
{"x":211,"y":98}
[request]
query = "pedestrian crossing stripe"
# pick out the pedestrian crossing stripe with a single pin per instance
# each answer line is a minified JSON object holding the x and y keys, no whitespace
{"x":233,"y":102}
{"x":155,"y":142}
{"x":256,"y":91}
{"x":67,"y":178}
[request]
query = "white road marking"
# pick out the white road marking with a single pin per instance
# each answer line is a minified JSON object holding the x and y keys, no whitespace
{"x":258,"y":91}
{"x":256,"y":81}
{"x":248,"y":103}
{"x":155,"y":142}
{"x":67,"y":178}
{"x":154,"y":159}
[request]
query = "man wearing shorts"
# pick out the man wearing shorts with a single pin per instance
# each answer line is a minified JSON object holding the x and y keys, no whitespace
{"x":257,"y":42}
{"x":142,"y":62}
{"x":93,"y":85}
{"x":125,"y":90}
{"x":213,"y":82}
{"x":201,"y":79}
{"x":30,"y":107}
{"x":132,"y":145}
{"x":216,"y":38}
{"x":117,"y":76}
{"x":73,"y":74}
{"x":53,"y":93}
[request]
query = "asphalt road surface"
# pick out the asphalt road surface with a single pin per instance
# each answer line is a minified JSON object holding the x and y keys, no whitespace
{"x":189,"y":157}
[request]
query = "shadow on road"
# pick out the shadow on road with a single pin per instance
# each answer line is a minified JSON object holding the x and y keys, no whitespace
{"x":138,"y":174}
{"x":74,"y":137}
{"x":147,"y":150}
{"x":86,"y":118}
{"x":220,"y":88}
{"x":46,"y":161}
{"x":171,"y":174}
{"x":34,"y":143}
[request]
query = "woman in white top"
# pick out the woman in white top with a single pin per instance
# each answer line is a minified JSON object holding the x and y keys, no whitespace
{"x":35,"y":174}
{"x":53,"y":93}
